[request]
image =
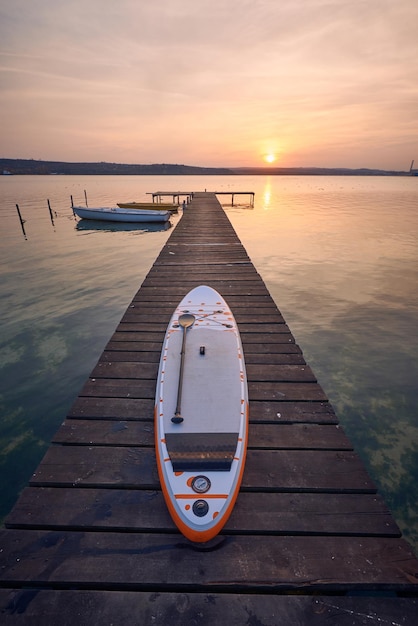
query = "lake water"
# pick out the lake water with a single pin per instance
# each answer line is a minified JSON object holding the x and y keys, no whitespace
{"x":338,"y":254}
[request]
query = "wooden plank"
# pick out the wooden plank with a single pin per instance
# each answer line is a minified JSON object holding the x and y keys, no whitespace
{"x":300,"y":412}
{"x":115,"y":388}
{"x":118,"y":344}
{"x":183,"y":279}
{"x":145,"y":388}
{"x":251,"y":358}
{"x":265,"y":470}
{"x":141,"y":433}
{"x":112,"y":408}
{"x":242,"y":316}
{"x":140,"y":408}
{"x":212,"y":271}
{"x":40,"y":607}
{"x":284,"y":344}
{"x":255,"y":372}
{"x":148,"y":337}
{"x":261,"y":372}
{"x":110,"y":356}
{"x":136,"y":510}
{"x":244,"y":300}
{"x":221,"y":282}
{"x":106,"y":432}
{"x":141,"y":560}
{"x":161,"y":327}
{"x":285,"y":391}
{"x":298,"y":437}
{"x":226,"y":290}
{"x":125,"y":370}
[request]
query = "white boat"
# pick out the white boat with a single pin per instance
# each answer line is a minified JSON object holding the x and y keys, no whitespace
{"x":116,"y":214}
{"x":201,"y":414}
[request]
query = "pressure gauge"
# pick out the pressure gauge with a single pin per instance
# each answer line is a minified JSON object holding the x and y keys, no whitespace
{"x":200,"y":484}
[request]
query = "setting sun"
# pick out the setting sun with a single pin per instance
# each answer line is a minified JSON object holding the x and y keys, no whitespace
{"x":269,"y":158}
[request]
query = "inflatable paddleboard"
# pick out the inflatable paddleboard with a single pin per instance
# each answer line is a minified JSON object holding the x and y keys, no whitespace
{"x":201,"y":414}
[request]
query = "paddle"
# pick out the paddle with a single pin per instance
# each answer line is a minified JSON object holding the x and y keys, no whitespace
{"x":185,"y":320}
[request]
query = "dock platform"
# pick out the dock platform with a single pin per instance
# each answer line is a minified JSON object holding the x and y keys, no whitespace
{"x":310,"y":541}
{"x":158,"y":196}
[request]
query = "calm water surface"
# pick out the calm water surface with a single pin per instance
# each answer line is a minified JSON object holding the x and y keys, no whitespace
{"x":338,"y":254}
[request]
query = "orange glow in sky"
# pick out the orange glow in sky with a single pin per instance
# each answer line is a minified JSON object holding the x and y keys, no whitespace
{"x":211,"y":83}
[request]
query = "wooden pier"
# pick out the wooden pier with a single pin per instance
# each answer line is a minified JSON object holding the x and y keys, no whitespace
{"x":309,"y":542}
{"x":158,"y":196}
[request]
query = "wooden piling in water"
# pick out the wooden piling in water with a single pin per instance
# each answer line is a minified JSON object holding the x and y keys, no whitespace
{"x":309,"y":538}
{"x":22,"y":221}
{"x":50,"y":213}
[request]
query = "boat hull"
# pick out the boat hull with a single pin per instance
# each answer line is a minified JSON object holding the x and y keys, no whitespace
{"x":110,"y":214}
{"x":201,"y":459}
{"x":173,"y":208}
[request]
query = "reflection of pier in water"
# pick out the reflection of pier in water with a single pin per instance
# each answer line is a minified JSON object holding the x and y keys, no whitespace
{"x":309,"y":540}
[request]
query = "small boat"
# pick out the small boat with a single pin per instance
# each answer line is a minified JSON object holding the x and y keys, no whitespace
{"x":116,"y":214}
{"x":160,"y":206}
{"x":201,"y":414}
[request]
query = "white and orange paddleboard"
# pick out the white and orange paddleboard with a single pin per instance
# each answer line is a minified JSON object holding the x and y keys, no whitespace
{"x":201,"y":414}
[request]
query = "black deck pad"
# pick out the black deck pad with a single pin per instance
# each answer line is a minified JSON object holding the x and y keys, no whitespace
{"x":201,"y":451}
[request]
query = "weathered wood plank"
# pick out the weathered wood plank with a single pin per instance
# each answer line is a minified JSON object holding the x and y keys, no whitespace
{"x":118,"y":344}
{"x":255,"y":372}
{"x":208,"y":272}
{"x":143,"y":408}
{"x":119,"y":388}
{"x":251,"y":358}
{"x":141,"y":561}
{"x":112,"y":408}
{"x":106,"y":432}
{"x":236,"y":302}
{"x":145,"y":388}
{"x":265,"y":470}
{"x":285,"y":391}
{"x":159,"y":327}
{"x":143,"y":336}
{"x":141,"y":433}
{"x":111,"y":356}
{"x":228,"y":284}
{"x":40,"y":607}
{"x":138,"y":342}
{"x":125,"y":370}
{"x":223,"y":287}
{"x":293,"y":412}
{"x":141,"y":316}
{"x":136,"y":510}
{"x":261,"y":372}
{"x":257,"y":338}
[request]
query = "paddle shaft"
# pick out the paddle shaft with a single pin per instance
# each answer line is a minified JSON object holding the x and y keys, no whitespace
{"x":190,"y":319}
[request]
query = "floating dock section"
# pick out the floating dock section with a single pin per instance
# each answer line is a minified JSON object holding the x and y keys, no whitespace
{"x":310,"y":541}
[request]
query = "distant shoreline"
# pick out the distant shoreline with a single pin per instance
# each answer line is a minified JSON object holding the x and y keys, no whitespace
{"x":37,"y":167}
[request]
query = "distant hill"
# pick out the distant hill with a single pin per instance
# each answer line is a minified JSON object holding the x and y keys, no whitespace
{"x":315,"y":171}
{"x":32,"y":166}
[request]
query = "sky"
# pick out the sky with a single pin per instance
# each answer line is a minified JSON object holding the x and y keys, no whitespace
{"x":228,"y":83}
